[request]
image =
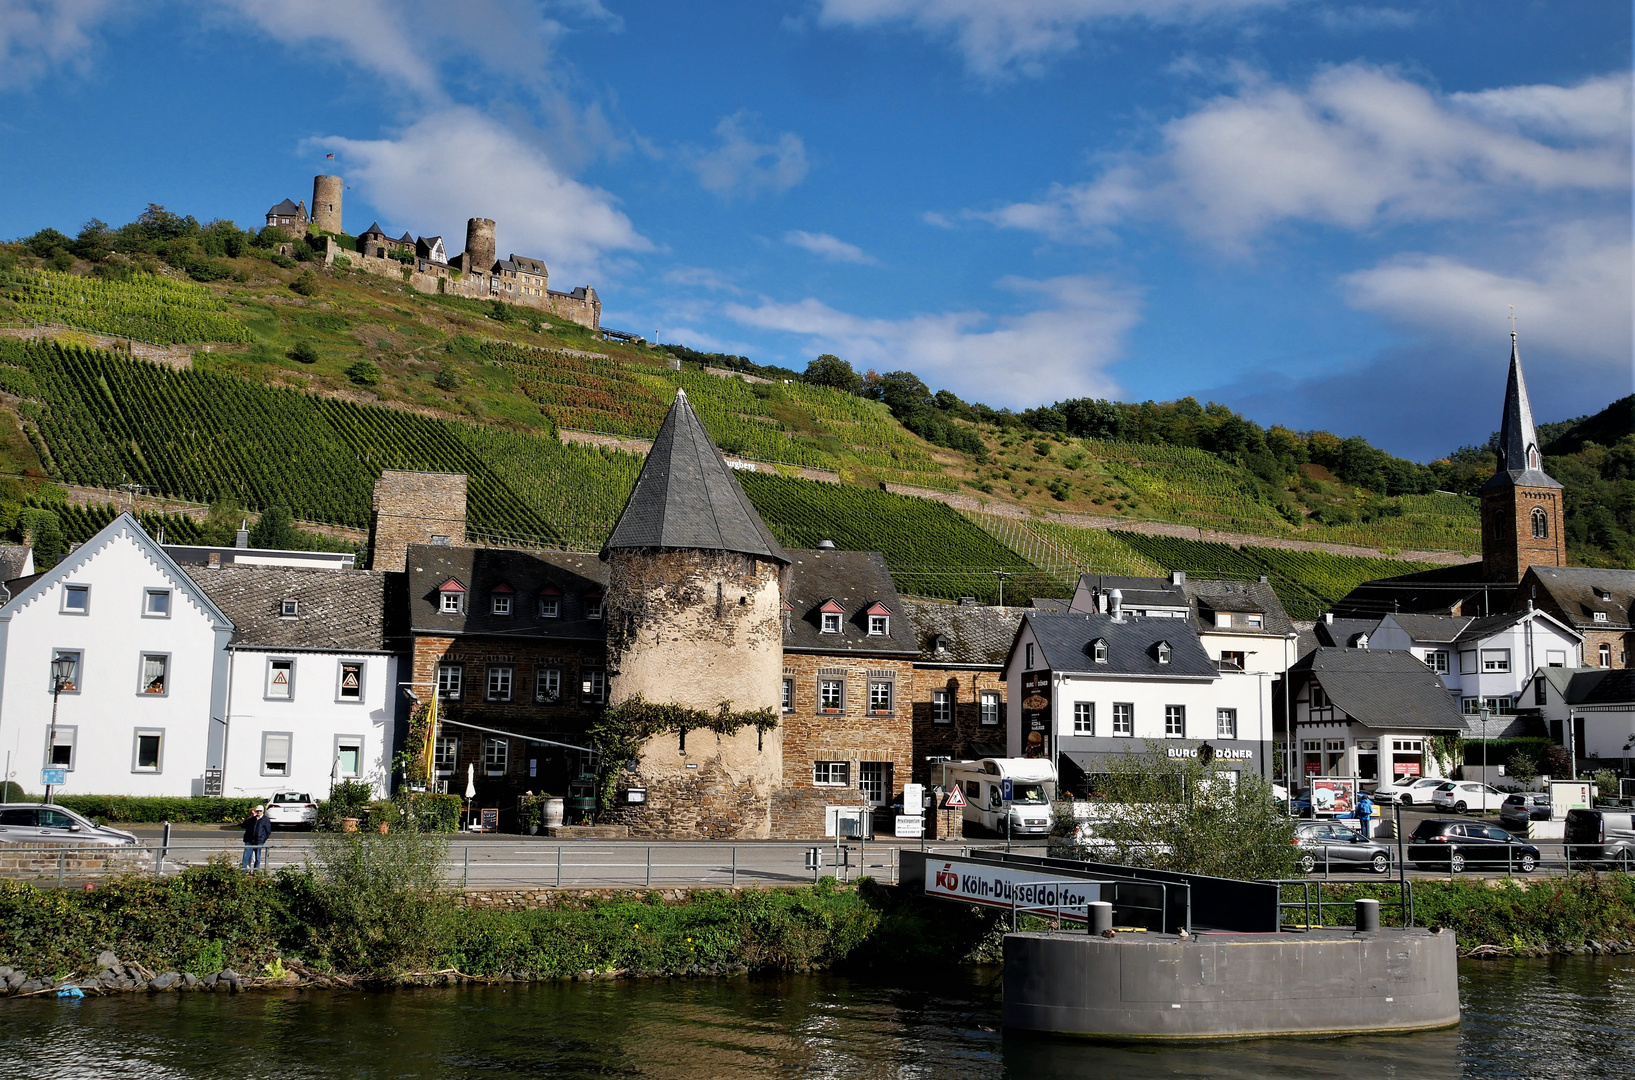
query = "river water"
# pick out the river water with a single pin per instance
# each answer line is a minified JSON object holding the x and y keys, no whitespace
{"x":1570,"y":1018}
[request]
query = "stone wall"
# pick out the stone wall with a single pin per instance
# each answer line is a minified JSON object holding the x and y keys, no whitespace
{"x":176,"y":356}
{"x":584,"y":309}
{"x":628,"y":445}
{"x":958,"y":739}
{"x":1620,"y":641}
{"x":414,"y":508}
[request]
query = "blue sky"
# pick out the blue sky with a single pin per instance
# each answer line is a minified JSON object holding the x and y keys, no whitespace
{"x":1317,"y":213}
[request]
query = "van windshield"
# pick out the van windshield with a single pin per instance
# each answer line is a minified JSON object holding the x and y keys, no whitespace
{"x":1029,"y":794}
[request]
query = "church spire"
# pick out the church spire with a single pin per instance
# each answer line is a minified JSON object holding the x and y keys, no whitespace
{"x":1520,"y":458}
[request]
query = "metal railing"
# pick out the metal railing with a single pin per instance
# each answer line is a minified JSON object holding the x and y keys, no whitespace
{"x":1019,"y":910}
{"x":1476,"y":860}
{"x":1311,"y":902}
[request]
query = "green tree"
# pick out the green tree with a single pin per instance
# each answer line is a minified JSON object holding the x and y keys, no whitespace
{"x":46,"y":243}
{"x":306,"y":283}
{"x":830,"y":370}
{"x":446,"y":378}
{"x":363,"y":373}
{"x":303,"y":352}
{"x":276,"y":530}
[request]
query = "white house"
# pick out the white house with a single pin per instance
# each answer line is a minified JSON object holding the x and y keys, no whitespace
{"x":1596,"y":705}
{"x":1483,"y":662}
{"x":141,"y":711}
{"x":1084,"y":689}
{"x":313,"y":695}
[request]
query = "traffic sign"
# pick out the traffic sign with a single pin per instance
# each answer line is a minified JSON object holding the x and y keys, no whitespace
{"x":955,"y":800}
{"x":1007,"y":789}
{"x":53,"y":777}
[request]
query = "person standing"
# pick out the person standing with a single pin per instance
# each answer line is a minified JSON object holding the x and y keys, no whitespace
{"x":257,"y":830}
{"x":1365,"y":813}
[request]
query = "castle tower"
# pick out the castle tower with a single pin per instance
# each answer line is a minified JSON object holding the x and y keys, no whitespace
{"x":479,"y":254}
{"x":414,"y":508}
{"x":694,"y":617}
{"x":326,"y":203}
{"x":1521,"y":505}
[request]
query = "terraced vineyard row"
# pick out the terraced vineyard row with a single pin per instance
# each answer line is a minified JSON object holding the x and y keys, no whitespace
{"x":1176,"y":483}
{"x":148,"y":308}
{"x":80,"y":523}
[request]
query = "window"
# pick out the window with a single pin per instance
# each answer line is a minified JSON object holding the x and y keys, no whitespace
{"x":496,"y":753}
{"x":831,"y":695}
{"x":548,"y":685}
{"x":280,"y":680}
{"x":942,"y":707}
{"x":155,"y":674}
{"x":1163,"y":652}
{"x":1084,"y":718}
{"x":872,"y":778}
{"x":1319,"y":697}
{"x":1226,"y":723}
{"x":1123,"y":718}
{"x":788,"y":701}
{"x":275,"y":753}
{"x":593,"y":605}
{"x":1495,"y":659}
{"x":499,"y":603}
{"x":349,"y":687}
{"x":156,"y":603}
{"x":453,"y":603}
{"x":879,"y":625}
{"x":1500,"y":706}
{"x":446,"y":756}
{"x":1098,"y":650}
{"x":1470,"y":706}
{"x":832,"y":773}
{"x":147,"y":755}
{"x":1437,"y":661}
{"x":76,"y":600}
{"x":1223,"y":619}
{"x":450,"y":677}
{"x":1606,"y":655}
{"x":289,"y":609}
{"x":59,"y":751}
{"x":831,"y":623}
{"x":500,"y":677}
{"x":550,"y":605}
{"x":348,"y":756}
{"x":880,"y":696}
{"x":1467,"y":662}
{"x":1256,"y":622}
{"x":1555,"y":658}
{"x":70,"y":684}
{"x":1541,"y":524}
{"x":1233,"y":661}
{"x":1599,"y":616}
{"x":1028,"y":663}
{"x":1175,"y":721}
{"x":593,"y":686}
{"x":989,"y":703}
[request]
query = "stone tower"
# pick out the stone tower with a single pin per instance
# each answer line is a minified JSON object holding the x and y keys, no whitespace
{"x":326,"y":203}
{"x":1521,"y":505}
{"x":479,"y":254}
{"x":414,"y":508}
{"x":694,"y":617}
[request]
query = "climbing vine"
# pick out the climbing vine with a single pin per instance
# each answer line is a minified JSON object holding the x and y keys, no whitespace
{"x":623,"y":729}
{"x":1449,"y":750}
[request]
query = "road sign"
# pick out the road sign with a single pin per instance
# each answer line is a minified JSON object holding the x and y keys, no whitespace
{"x":955,"y":800}
{"x":1007,"y":789}
{"x":53,"y":777}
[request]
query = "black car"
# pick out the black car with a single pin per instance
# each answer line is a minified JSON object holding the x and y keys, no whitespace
{"x":1454,"y":845}
{"x":1333,"y":846}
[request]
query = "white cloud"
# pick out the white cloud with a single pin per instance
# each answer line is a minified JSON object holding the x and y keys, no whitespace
{"x":456,"y":163}
{"x":37,"y":35}
{"x":741,"y":165}
{"x":1076,"y":330}
{"x":998,"y":37}
{"x":1358,"y":148}
{"x":828,"y":247}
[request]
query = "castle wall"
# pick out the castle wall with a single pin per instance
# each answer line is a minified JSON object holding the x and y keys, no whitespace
{"x":414,"y":508}
{"x":326,"y":203}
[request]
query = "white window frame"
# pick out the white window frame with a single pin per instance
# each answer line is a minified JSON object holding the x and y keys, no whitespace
{"x":142,"y":674}
{"x":341,"y":696}
{"x":830,"y":623}
{"x":547,"y":685}
{"x":593,"y":685}
{"x":1223,"y":620}
{"x":267,"y":693}
{"x":1604,"y":654}
{"x":1098,"y":650}
{"x":343,"y":742}
{"x":879,"y":625}
{"x":1495,"y":660}
{"x":1163,"y":652}
{"x":500,"y":603}
{"x":76,"y":590}
{"x":1226,"y":723}
{"x":500,"y":682}
{"x":824,"y":773}
{"x":1467,"y":662}
{"x":1598,"y":616}
{"x":1555,"y":658}
{"x":992,"y":707}
{"x":787,"y":701}
{"x":136,"y":750}
{"x":882,"y":696}
{"x":452,"y":602}
{"x":148,"y":596}
{"x":496,"y":750}
{"x":1124,"y":719}
{"x":1437,"y":660}
{"x":1084,"y":718}
{"x":550,"y":607}
{"x":840,"y":695}
{"x":593,"y":606}
{"x":451,"y":677}
{"x":66,"y":735}
{"x":942,"y":707}
{"x":1175,"y":716}
{"x":1318,"y":698}
{"x":1255,"y":621}
{"x":447,"y":749}
{"x":289,"y":752}
{"x":79,"y":670}
{"x":289,"y":608}
{"x":1028,"y":661}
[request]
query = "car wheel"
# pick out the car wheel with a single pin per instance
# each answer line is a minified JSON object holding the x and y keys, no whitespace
{"x":1459,"y":807}
{"x":1308,"y":863}
{"x":1528,"y":864}
{"x":1406,"y":800}
{"x":1456,"y":863}
{"x":1382,"y":864}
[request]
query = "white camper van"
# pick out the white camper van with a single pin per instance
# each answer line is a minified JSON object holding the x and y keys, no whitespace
{"x":1033,"y":790}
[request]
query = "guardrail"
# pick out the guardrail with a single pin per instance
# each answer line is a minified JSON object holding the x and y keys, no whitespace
{"x":1311,"y":902}
{"x":1554,"y":856}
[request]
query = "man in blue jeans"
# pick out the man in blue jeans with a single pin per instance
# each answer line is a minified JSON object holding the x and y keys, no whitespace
{"x":256,"y":831}
{"x":1365,"y":813}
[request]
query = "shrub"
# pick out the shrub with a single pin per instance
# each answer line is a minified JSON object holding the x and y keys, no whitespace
{"x":501,"y":311}
{"x":152,"y":809}
{"x":303,"y":352}
{"x":62,"y":259}
{"x":446,"y":378}
{"x":427,"y":812}
{"x":382,"y":901}
{"x":306,"y":284}
{"x":363,"y":373}
{"x":278,"y":258}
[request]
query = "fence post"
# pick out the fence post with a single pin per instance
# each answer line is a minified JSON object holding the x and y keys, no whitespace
{"x":649,"y":866}
{"x":559,"y":864}
{"x":735,"y":865}
{"x":62,"y":864}
{"x":465,"y":875}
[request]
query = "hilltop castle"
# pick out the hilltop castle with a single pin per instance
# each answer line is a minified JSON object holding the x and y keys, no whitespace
{"x":423,"y":262}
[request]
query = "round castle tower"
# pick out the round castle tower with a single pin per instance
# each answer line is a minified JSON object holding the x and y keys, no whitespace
{"x":694,"y":617}
{"x":326,"y":202}
{"x":479,"y":257}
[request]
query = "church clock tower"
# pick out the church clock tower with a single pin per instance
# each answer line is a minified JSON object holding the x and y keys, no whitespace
{"x":1521,"y":505}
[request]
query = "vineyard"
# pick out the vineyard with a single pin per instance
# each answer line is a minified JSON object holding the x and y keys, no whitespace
{"x":1175,"y":483}
{"x":147,"y":308}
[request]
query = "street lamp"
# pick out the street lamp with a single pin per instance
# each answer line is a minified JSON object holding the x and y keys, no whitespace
{"x":62,"y":670}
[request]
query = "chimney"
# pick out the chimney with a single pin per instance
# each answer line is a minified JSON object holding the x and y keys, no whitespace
{"x":215,"y":560}
{"x":1328,"y":617}
{"x":1101,"y":601}
{"x":242,"y":540}
{"x":1263,"y":580}
{"x":1177,"y":577}
{"x":1117,"y":597}
{"x":826,"y":545}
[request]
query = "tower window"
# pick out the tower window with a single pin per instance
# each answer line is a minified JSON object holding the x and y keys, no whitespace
{"x":1541,"y":524}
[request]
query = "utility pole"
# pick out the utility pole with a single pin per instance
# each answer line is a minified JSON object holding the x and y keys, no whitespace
{"x":1001,"y":575}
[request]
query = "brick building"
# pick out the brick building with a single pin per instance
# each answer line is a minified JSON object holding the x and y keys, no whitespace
{"x":959,"y":681}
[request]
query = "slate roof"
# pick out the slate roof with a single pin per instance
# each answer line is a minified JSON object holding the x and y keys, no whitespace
{"x":1573,"y":590}
{"x":1341,"y":633}
{"x":1572,"y":684}
{"x":1517,"y":436}
{"x":532,"y":266}
{"x":1050,"y":603}
{"x":286,"y":209}
{"x":1382,"y":689}
{"x":973,"y":635}
{"x":687,"y":497}
{"x":374,"y":229}
{"x":336,"y":610}
{"x":13,"y":558}
{"x":1436,"y":629}
{"x":1443,"y":590}
{"x":1134,"y":592}
{"x":1208,"y":595}
{"x":855,"y":580}
{"x":1065,"y":641}
{"x":478,"y":570}
{"x":1616,"y":688}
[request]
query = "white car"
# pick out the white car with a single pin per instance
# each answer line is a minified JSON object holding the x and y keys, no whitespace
{"x":1409,"y":790}
{"x":1462,"y":795}
{"x":32,"y":823}
{"x":292,"y":808}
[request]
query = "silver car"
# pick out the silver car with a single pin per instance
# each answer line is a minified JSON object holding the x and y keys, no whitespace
{"x":32,"y":823}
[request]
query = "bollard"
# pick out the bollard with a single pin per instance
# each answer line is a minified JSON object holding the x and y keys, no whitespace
{"x":1100,"y":918}
{"x":1368,"y":916}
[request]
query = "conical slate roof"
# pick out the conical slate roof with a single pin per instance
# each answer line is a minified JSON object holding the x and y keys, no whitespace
{"x":1521,"y":461}
{"x":687,"y":497}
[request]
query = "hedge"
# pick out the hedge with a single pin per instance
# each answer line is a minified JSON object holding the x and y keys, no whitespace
{"x":152,"y":809}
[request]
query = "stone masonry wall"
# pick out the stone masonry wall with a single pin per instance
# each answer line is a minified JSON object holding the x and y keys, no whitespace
{"x":957,"y":739}
{"x":413,"y":508}
{"x":586,"y":310}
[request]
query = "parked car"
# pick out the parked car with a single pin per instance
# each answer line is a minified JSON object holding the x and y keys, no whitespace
{"x":1453,"y":845}
{"x":1408,"y":790}
{"x":293,"y":808}
{"x":1524,"y":806}
{"x":1601,"y":836}
{"x":32,"y":823}
{"x":1462,"y":795}
{"x":1338,"y":847}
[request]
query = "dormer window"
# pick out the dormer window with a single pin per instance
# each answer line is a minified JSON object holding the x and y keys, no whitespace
{"x":550,"y":602}
{"x":830,"y":616}
{"x":879,"y":620}
{"x":451,"y":597}
{"x":289,"y":609}
{"x":1255,"y":622}
{"x":1603,"y":594}
{"x":831,"y":622}
{"x":1163,"y":651}
{"x":1098,"y":651}
{"x":1599,"y":616}
{"x":1361,"y":641}
{"x":500,"y":598}
{"x":593,"y":605}
{"x":939,"y":645}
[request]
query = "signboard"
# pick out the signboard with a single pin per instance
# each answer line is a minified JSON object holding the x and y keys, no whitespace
{"x":1007,"y":789}
{"x":1406,"y":768}
{"x":491,"y":819}
{"x":910,"y":826}
{"x":1036,"y":714}
{"x":1036,"y":703}
{"x":914,"y":799}
{"x":53,"y":777}
{"x":212,"y":782}
{"x":1333,"y":795}
{"x":955,"y":800}
{"x":996,"y":886}
{"x":1568,"y":795}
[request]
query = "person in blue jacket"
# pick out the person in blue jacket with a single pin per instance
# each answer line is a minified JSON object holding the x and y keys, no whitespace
{"x":257,"y":829}
{"x":1365,"y":813}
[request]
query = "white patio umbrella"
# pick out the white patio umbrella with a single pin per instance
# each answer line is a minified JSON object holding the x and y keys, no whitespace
{"x":471,"y":785}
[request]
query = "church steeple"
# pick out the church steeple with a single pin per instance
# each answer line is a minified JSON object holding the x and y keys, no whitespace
{"x":1521,"y":504}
